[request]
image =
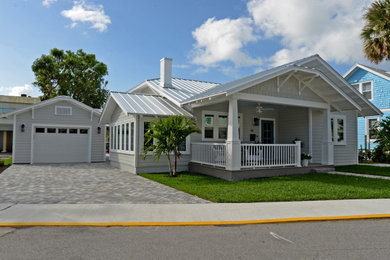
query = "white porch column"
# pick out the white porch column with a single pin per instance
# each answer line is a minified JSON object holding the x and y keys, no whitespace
{"x":327,"y":145}
{"x":233,"y":143}
{"x":4,"y":142}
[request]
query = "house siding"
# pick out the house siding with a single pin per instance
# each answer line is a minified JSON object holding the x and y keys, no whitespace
{"x":381,"y":98}
{"x":317,"y":123}
{"x":347,"y":154}
{"x":46,"y":115}
{"x":289,"y":90}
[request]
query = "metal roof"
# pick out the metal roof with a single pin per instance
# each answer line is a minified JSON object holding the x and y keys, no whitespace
{"x":182,"y":89}
{"x":144,"y":104}
{"x":224,"y":88}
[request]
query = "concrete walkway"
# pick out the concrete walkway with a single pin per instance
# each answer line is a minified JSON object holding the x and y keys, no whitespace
{"x":361,"y":175}
{"x":376,"y":164}
{"x":190,"y":214}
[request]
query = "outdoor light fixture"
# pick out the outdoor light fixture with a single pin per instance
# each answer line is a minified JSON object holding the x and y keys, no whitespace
{"x":99,"y":129}
{"x":22,"y":128}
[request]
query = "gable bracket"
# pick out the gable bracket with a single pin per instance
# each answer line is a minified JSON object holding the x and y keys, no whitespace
{"x":284,"y":81}
{"x":316,"y":92}
{"x":305,"y":82}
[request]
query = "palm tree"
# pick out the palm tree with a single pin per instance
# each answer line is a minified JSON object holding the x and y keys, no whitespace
{"x":376,"y":31}
{"x":165,"y":135}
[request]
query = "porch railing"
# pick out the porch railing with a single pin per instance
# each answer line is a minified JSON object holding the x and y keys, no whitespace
{"x":270,"y":155}
{"x":209,"y":153}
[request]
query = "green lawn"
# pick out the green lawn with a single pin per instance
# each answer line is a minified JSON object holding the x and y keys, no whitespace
{"x":316,"y":186}
{"x":365,"y":169}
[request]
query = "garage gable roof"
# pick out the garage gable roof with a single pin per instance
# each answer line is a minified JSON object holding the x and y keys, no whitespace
{"x":140,"y":104}
{"x":52,"y":101}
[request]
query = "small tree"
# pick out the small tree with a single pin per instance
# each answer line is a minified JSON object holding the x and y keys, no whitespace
{"x":382,"y":136}
{"x":165,"y":135}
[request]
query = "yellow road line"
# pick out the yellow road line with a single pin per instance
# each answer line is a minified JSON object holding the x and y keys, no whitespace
{"x":198,"y":223}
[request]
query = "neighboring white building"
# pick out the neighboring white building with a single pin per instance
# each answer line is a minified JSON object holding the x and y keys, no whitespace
{"x":249,"y":123}
{"x":58,"y":130}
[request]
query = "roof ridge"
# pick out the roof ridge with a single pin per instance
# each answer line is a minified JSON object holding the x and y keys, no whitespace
{"x":140,"y":94}
{"x":197,"y":80}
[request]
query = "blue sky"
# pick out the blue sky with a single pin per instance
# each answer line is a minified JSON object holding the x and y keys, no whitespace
{"x":218,"y":40}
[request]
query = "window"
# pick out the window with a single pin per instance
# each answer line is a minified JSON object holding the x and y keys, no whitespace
{"x":215,"y":125}
{"x":208,"y":126}
{"x":365,"y":88}
{"x":132,"y":136}
{"x":62,"y":130}
{"x":84,"y":131}
{"x":73,"y":131}
{"x":39,"y":130}
{"x":371,"y":125}
{"x":63,"y":111}
{"x":51,"y":130}
{"x":118,"y":137}
{"x":111,"y":138}
{"x":183,"y":146}
{"x":146,"y":128}
{"x":123,"y":137}
{"x":114,"y":137}
{"x":127,"y":136}
{"x":222,"y":127}
{"x":337,"y":124}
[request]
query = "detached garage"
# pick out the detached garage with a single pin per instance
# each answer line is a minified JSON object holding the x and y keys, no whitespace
{"x":58,"y":130}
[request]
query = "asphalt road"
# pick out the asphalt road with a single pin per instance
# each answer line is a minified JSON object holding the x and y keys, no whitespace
{"x":361,"y":239}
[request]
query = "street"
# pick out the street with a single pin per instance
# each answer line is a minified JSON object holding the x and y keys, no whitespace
{"x":361,"y":239}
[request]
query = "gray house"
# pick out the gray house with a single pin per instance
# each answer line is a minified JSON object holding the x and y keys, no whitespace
{"x":58,"y":130}
{"x":263,"y":121}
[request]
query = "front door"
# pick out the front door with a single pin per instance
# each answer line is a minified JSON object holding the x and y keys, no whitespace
{"x":267,"y":131}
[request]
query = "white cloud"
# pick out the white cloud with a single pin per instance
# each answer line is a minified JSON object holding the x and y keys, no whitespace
{"x":222,"y":40}
{"x":330,"y":28}
{"x":181,"y":66}
{"x":47,"y":3}
{"x":87,"y":13}
{"x":17,"y":90}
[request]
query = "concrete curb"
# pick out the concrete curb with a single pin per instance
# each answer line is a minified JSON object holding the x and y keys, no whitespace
{"x":202,"y":223}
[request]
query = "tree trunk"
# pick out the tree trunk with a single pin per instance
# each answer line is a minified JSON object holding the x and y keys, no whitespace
{"x":169,"y":164}
{"x":175,"y":166}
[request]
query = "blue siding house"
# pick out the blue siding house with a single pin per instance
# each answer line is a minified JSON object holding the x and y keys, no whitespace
{"x":374,"y":84}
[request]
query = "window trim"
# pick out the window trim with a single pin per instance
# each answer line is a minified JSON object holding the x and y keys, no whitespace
{"x":216,"y":125}
{"x":367,"y":130}
{"x":55,"y":110}
{"x":360,"y":89}
{"x":334,"y":137}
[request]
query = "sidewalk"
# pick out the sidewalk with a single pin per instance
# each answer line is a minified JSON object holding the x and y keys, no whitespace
{"x":190,"y":214}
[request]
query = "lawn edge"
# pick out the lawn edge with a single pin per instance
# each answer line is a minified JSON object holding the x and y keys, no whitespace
{"x":201,"y":223}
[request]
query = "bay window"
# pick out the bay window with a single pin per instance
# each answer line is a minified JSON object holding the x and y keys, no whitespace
{"x":122,"y":137}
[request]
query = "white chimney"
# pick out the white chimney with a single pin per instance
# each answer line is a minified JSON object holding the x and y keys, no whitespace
{"x":166,"y":73}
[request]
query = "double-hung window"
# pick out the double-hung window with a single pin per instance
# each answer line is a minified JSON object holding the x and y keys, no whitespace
{"x":338,"y":129}
{"x":365,"y":88}
{"x":372,"y":125}
{"x":215,"y":125}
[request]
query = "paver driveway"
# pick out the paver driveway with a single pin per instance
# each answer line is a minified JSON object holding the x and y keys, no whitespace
{"x":83,"y":183}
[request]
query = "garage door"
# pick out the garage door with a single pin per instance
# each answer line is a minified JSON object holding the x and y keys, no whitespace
{"x":60,"y":144}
